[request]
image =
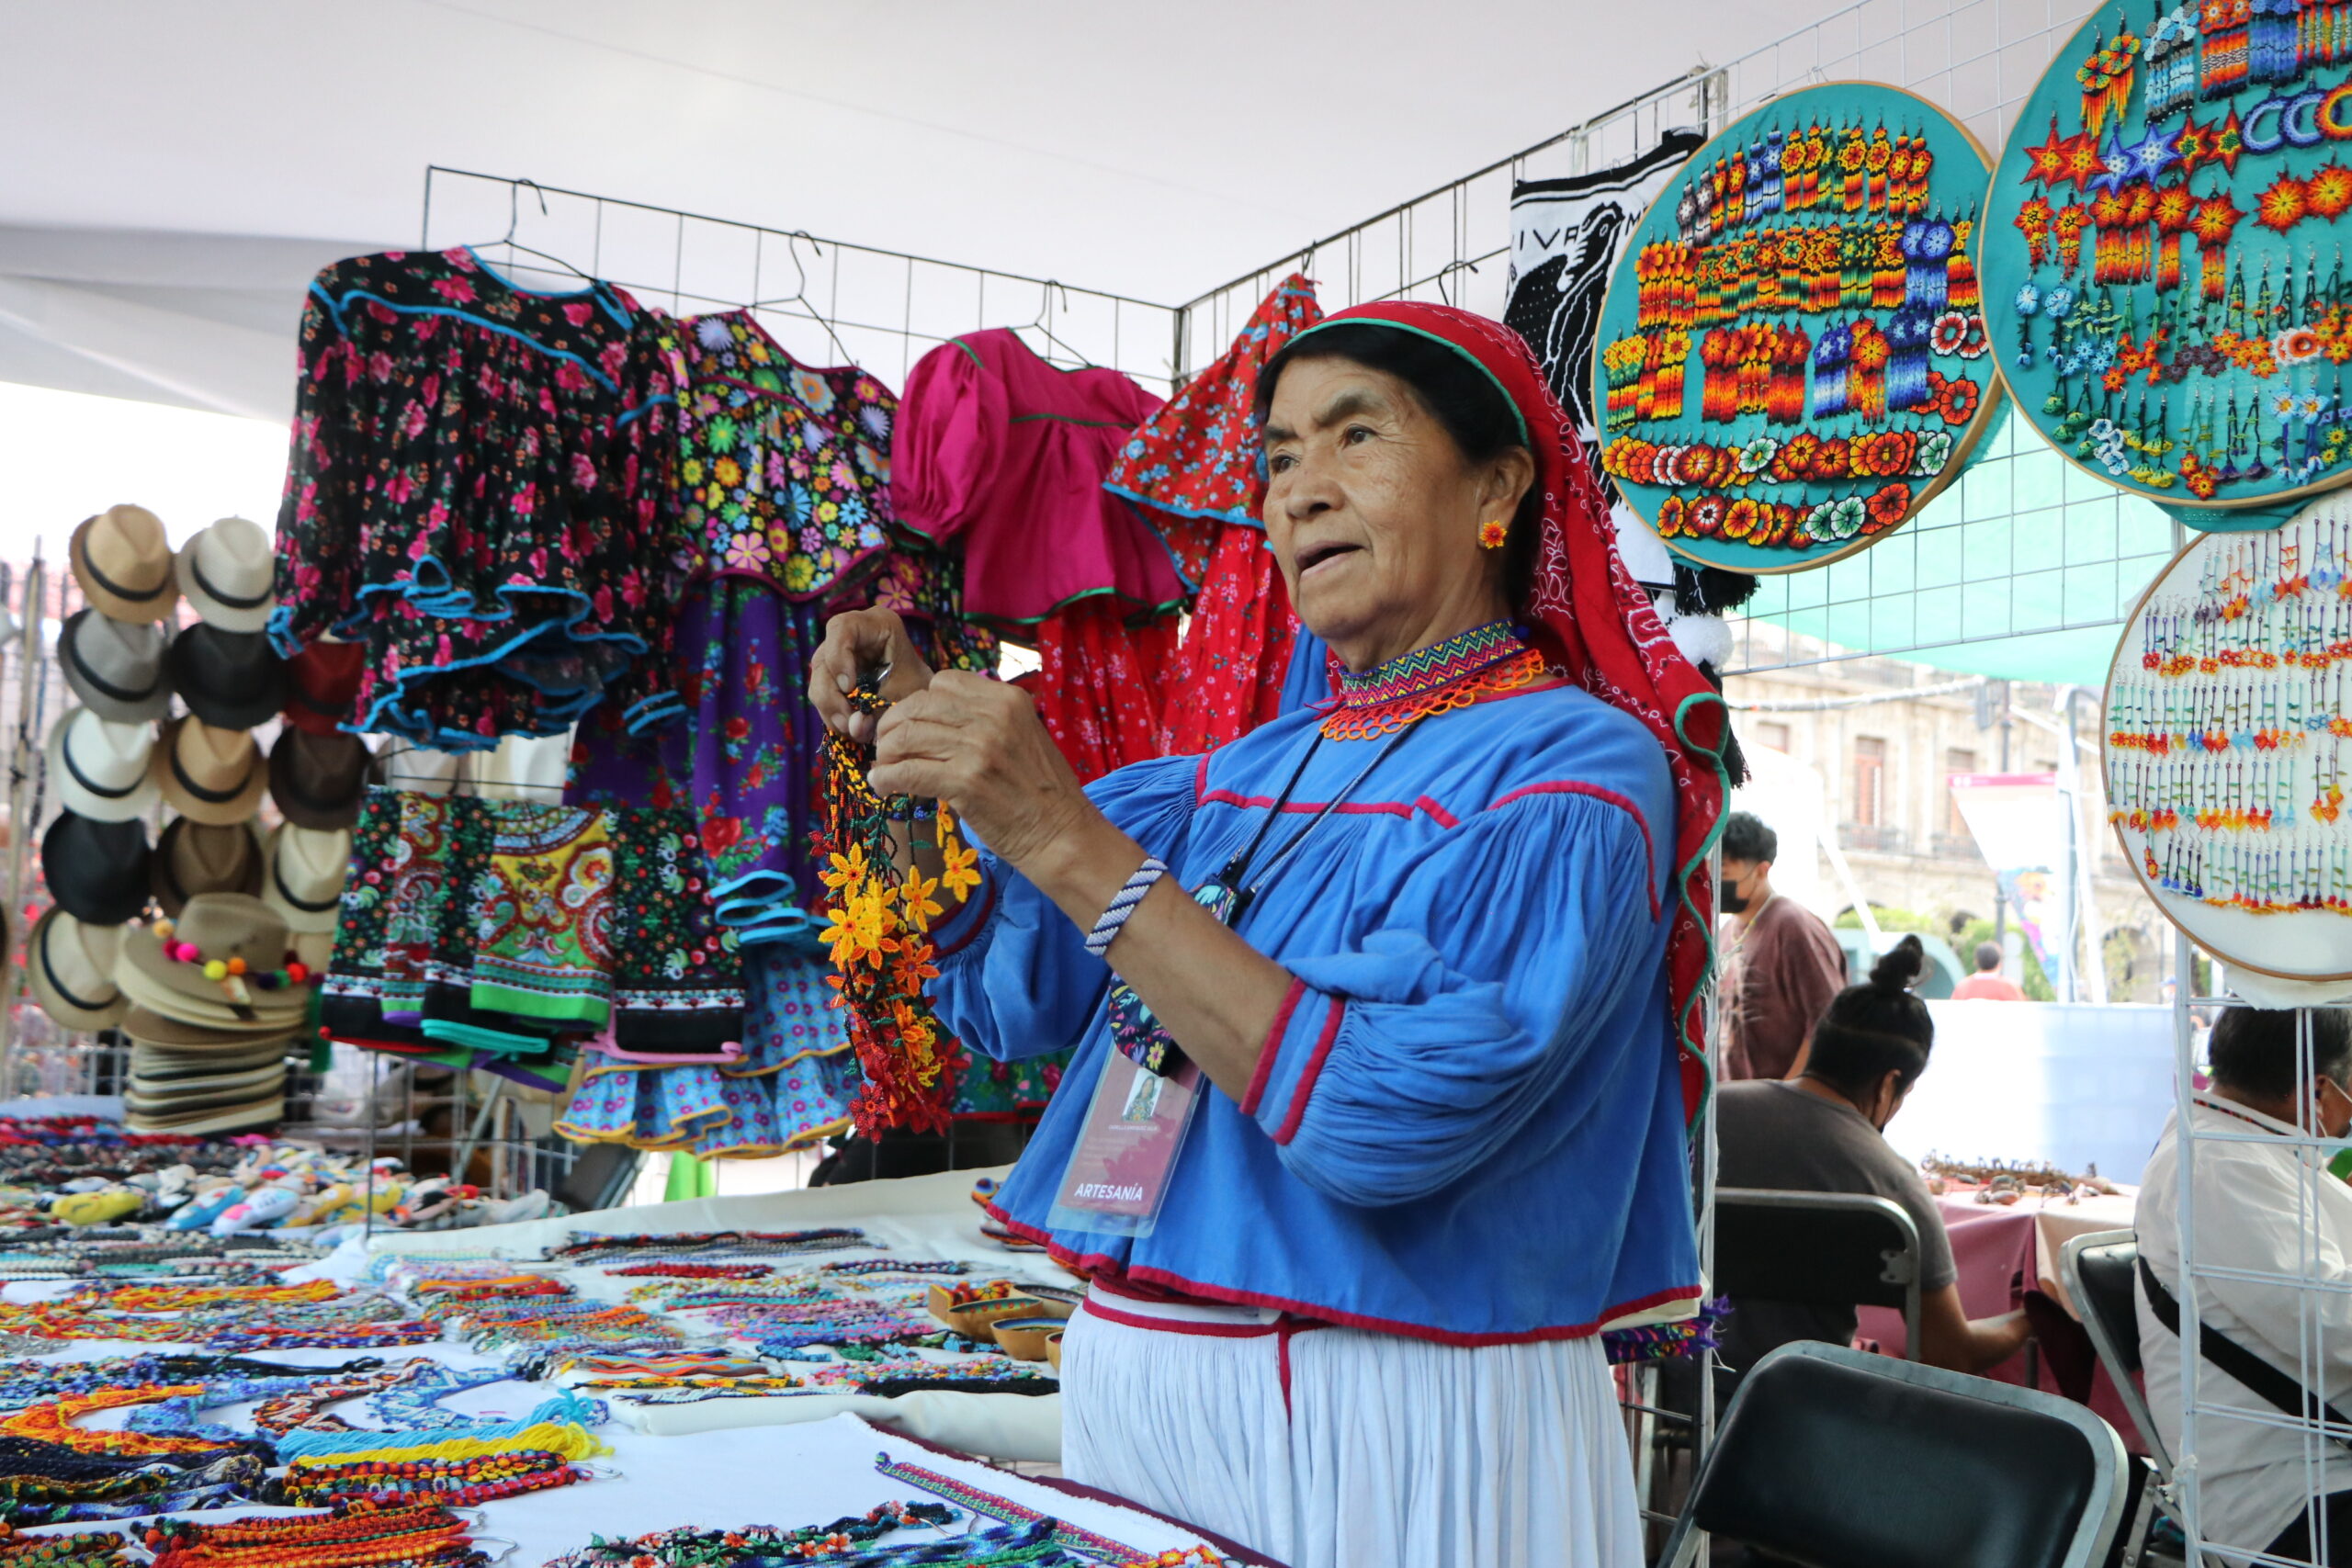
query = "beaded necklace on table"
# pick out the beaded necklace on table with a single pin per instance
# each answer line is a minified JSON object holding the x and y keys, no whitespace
{"x":457,"y":1483}
{"x":101,"y":1550}
{"x":989,"y":1506}
{"x":52,"y":1422}
{"x":1482,"y":661}
{"x":592,"y":1248}
{"x":689,"y":1546}
{"x":683,"y":1270}
{"x":359,"y":1536}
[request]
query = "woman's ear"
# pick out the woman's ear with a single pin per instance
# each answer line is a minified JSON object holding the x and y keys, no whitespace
{"x":1509,"y":478}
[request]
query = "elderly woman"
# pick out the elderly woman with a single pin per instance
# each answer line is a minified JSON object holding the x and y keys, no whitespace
{"x":1376,"y":1117}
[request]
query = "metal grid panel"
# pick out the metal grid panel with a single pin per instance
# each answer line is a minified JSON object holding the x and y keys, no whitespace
{"x":2024,"y":543}
{"x":826,"y":301}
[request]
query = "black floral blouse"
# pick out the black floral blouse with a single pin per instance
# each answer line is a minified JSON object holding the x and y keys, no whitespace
{"x":480,"y":478}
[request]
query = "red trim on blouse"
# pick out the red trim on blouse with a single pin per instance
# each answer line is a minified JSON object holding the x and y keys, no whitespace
{"x":1181,"y":1325}
{"x":1098,"y":1265}
{"x":1345,"y":807}
{"x":1599,"y":792}
{"x":1272,"y":1046}
{"x":979,"y":922}
{"x":1312,"y":1071}
{"x":1437,"y":814}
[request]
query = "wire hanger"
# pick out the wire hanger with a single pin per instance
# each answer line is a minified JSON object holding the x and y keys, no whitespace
{"x":513,"y":218}
{"x":1045,"y":304}
{"x":1448,"y":270}
{"x":800,"y":295}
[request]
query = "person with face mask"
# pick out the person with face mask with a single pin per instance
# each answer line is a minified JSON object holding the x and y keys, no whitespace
{"x":1780,"y":965}
{"x":1824,"y":1132}
{"x":2275,"y":1229}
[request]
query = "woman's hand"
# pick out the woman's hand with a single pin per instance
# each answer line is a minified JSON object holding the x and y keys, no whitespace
{"x":857,"y":641}
{"x":979,"y":745}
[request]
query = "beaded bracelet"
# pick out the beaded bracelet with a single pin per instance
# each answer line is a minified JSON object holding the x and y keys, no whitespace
{"x":1108,"y":924}
{"x":689,"y":1546}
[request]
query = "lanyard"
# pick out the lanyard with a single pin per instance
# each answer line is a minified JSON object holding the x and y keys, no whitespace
{"x":1230,"y":878}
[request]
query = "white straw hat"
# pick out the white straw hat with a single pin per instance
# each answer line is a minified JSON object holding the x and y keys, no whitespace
{"x":229,"y":574}
{"x":100,"y":769}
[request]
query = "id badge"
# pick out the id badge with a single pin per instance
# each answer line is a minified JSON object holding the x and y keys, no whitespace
{"x":1117,"y":1176}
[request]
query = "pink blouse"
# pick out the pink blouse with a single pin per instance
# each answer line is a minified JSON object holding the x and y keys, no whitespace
{"x":1003,"y":453}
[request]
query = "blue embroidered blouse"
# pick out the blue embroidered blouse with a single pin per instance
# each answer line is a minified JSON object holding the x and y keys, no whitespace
{"x":1466,"y":1125}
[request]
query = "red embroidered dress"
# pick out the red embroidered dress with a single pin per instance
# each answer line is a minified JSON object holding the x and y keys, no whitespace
{"x":1196,"y":467}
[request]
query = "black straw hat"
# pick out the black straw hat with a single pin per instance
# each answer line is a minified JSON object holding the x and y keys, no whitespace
{"x":230,"y":679}
{"x":98,"y":871}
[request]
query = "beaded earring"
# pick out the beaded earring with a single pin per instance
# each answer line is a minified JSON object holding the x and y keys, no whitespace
{"x":1493,"y":533}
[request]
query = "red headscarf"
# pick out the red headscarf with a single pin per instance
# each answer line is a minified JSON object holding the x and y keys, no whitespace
{"x":1592,"y":619}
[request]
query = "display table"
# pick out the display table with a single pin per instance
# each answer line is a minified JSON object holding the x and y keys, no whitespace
{"x":920,"y":1218}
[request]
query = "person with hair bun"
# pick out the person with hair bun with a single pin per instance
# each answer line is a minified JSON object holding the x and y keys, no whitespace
{"x":1824,"y":1130}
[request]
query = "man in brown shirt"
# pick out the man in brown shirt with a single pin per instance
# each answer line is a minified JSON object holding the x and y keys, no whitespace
{"x":1783,"y":967}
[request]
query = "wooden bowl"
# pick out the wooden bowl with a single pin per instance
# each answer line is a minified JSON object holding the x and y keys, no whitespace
{"x":1054,"y":1350}
{"x":1023,"y":1338}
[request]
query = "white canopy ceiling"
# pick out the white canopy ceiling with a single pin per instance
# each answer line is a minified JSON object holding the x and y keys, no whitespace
{"x":172,"y":168}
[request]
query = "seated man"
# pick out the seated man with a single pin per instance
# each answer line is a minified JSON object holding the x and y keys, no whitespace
{"x":2265,"y":1205}
{"x":1988,"y":985}
{"x":1823,"y":1132}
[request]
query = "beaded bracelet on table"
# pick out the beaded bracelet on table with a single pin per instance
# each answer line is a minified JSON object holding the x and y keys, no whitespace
{"x":878,"y":940}
{"x":100,"y":1550}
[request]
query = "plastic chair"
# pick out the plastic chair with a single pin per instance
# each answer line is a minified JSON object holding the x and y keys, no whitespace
{"x":2099,"y":1270}
{"x":1840,"y":1458}
{"x":1826,"y":1248}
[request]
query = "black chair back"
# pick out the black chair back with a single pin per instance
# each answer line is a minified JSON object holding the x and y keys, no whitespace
{"x":1835,"y":1458}
{"x":2106,"y":1288}
{"x":2100,"y":1272}
{"x":1829,"y":1248}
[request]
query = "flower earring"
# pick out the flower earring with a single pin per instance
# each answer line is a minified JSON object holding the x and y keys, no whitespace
{"x":1493,"y":533}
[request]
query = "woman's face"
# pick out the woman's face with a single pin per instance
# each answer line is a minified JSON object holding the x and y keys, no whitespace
{"x":1373,"y":515}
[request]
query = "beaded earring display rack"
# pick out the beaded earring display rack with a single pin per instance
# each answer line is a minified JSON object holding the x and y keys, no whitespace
{"x":2209,"y":386}
{"x":1793,"y":356}
{"x":879,"y":935}
{"x":2227,"y":740}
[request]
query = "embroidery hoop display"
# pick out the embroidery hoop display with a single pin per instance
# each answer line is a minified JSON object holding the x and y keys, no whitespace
{"x":2166,"y":302}
{"x":1791,"y":349}
{"x":2225,"y":740}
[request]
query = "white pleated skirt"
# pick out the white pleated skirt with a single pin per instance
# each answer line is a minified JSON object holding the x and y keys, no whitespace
{"x":1331,"y":1448}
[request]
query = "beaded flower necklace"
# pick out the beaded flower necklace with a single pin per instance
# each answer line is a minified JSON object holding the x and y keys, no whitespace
{"x":1454,"y":674}
{"x":878,"y":938}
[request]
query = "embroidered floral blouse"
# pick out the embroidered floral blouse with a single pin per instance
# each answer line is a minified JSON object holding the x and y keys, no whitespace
{"x":1466,"y":1124}
{"x":784,"y":471}
{"x":480,"y":476}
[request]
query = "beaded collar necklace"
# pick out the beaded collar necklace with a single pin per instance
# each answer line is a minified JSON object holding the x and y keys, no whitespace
{"x":1447,"y":675}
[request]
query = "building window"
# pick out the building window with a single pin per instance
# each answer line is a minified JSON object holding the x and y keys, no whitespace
{"x":1955,"y":761}
{"x":1870,"y":781}
{"x":1776,"y":735}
